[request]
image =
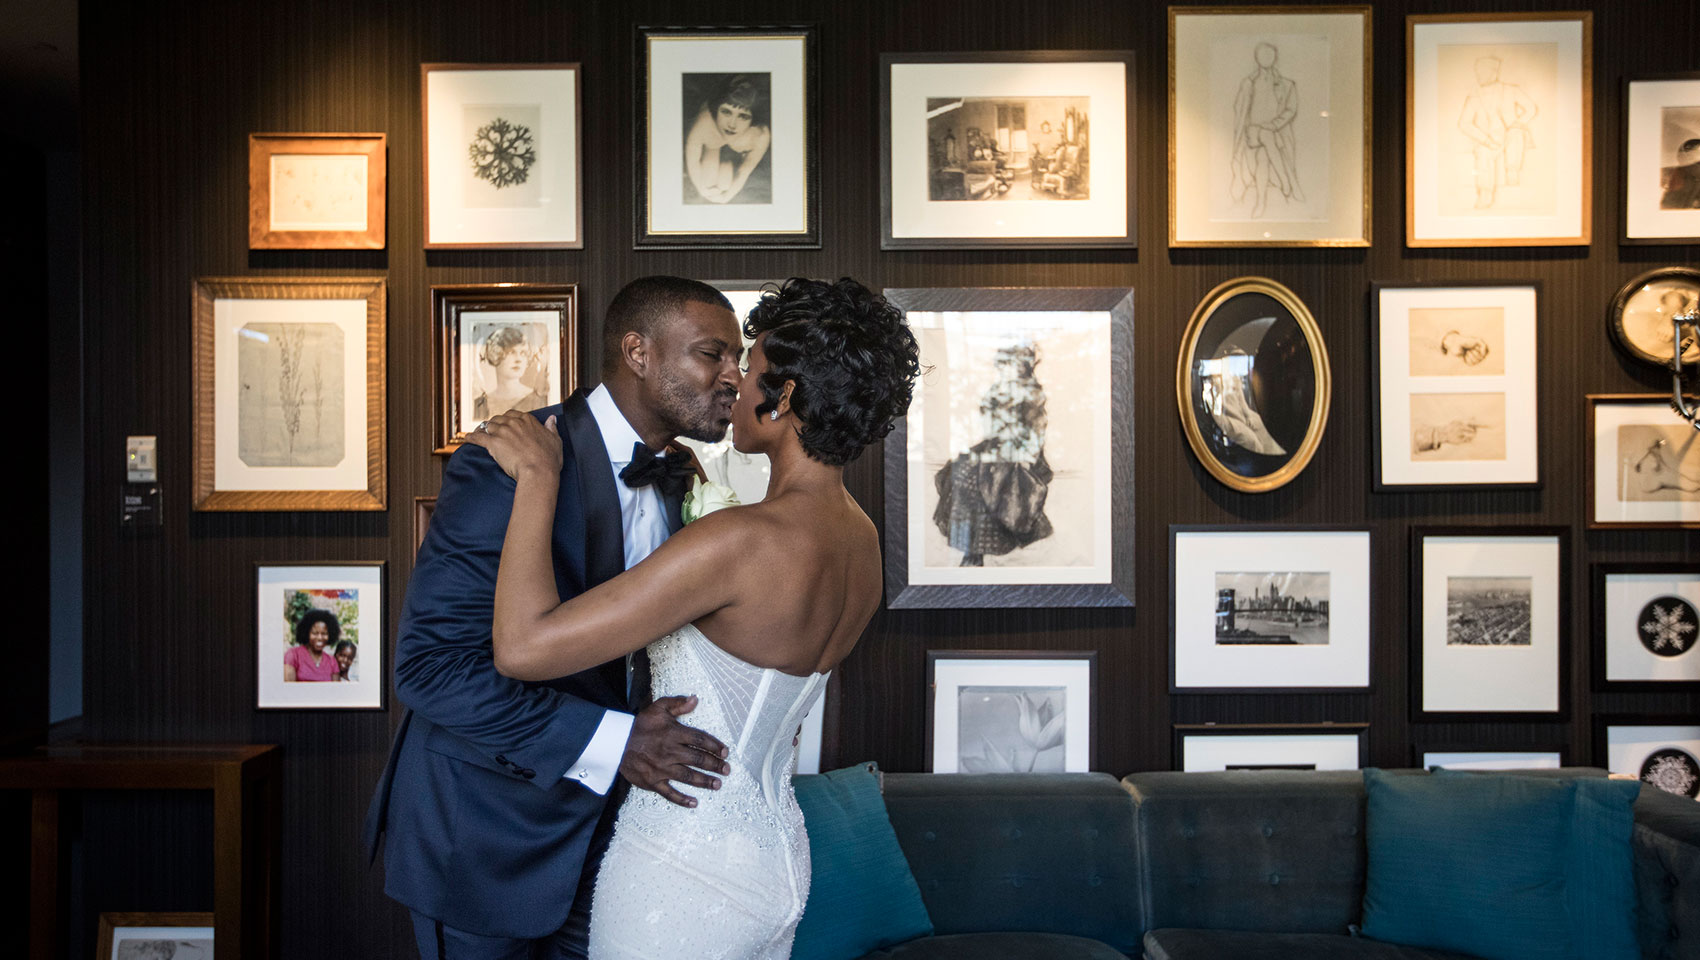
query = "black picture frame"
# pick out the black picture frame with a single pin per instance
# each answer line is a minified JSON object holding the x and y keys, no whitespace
{"x":1621,"y":338}
{"x":1419,"y":746}
{"x":1119,"y":592}
{"x":1656,"y":405}
{"x":1090,"y":657}
{"x":1181,"y":731}
{"x":1598,"y":652}
{"x":1625,"y":175}
{"x":1601,"y":750}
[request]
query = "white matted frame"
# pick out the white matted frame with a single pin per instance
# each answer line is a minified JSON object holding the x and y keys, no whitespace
{"x":480,"y":327}
{"x":188,"y":935}
{"x":1662,"y":752}
{"x":353,"y":593}
{"x":317,"y":191}
{"x":1309,"y":632}
{"x":1492,"y":759}
{"x":1646,"y":626}
{"x":502,"y":164}
{"x":1489,"y":628}
{"x":1643,"y":463}
{"x":1661,"y":162}
{"x":1498,"y":129}
{"x":1456,"y":387}
{"x":1011,"y":711}
{"x":746,"y":473}
{"x":1275,"y":746}
{"x":1291,"y":172}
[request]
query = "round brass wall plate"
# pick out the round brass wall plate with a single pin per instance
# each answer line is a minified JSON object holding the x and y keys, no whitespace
{"x":1639,"y":318}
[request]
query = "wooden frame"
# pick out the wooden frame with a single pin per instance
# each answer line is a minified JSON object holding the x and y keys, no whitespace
{"x":1309,"y":732}
{"x":1253,"y":471}
{"x":1197,"y":222}
{"x":265,"y":233}
{"x":106,"y":940}
{"x":953,"y":200}
{"x":1602,"y":636}
{"x":1686,"y":738}
{"x":920,"y":572}
{"x":1605,"y":479}
{"x":790,"y":217}
{"x":371,"y":656}
{"x":1034,"y":665}
{"x":218,"y":479}
{"x":451,"y":304}
{"x":1642,"y":188}
{"x":1570,"y":141}
{"x":1645,"y":334}
{"x":423,"y":508}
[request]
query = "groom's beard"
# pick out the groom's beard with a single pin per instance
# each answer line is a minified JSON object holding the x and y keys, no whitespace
{"x":687,"y":413}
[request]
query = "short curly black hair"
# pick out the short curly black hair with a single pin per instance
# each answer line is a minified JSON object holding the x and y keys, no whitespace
{"x":304,"y":626}
{"x":850,"y":354}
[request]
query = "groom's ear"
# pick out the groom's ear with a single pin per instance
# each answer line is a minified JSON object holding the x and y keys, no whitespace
{"x":635,"y":353}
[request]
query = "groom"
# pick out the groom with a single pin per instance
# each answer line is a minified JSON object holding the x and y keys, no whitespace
{"x":495,"y":797}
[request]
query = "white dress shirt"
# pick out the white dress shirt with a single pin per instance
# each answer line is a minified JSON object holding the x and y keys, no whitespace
{"x":643,"y":524}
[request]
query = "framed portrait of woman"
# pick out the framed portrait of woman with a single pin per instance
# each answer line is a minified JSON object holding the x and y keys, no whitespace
{"x":319,"y":635}
{"x":500,"y":347}
{"x":727,"y":137}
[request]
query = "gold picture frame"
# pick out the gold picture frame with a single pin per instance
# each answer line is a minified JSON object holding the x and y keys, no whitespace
{"x":316,"y":191}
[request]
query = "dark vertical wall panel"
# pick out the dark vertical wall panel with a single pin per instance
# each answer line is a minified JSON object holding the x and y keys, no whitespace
{"x":172,"y":89}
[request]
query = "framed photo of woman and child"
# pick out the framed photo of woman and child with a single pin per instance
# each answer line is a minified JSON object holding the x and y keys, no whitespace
{"x":500,"y":347}
{"x":727,"y":138}
{"x":310,"y":621}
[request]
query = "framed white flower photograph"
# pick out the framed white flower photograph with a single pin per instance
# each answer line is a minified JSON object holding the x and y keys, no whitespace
{"x":1662,"y":752}
{"x":1646,"y":626}
{"x":1010,"y":711}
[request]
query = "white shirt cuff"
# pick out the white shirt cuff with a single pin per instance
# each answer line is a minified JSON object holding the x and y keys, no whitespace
{"x":600,"y":761}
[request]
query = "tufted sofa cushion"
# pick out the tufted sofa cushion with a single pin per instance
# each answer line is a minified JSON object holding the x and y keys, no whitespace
{"x":1218,"y":944}
{"x":1667,"y":875}
{"x":999,"y":946}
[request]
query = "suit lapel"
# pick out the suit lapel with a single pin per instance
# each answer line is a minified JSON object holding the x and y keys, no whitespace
{"x":605,"y":546}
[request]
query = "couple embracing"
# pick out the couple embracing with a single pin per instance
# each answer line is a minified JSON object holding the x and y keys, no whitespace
{"x":562,"y":628}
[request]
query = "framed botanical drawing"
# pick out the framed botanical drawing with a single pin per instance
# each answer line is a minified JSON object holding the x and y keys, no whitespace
{"x":1016,"y":149}
{"x":502,"y":156}
{"x":1010,"y":481}
{"x":1643,"y":463}
{"x":1271,"y":746}
{"x":289,"y":393}
{"x":745,"y":473}
{"x":1489,"y":629}
{"x":316,"y":191}
{"x":1662,"y":752}
{"x":1268,"y":609}
{"x":1465,"y":759}
{"x":134,"y":936}
{"x":1642,"y":316}
{"x":500,"y":347}
{"x":319,"y":635}
{"x":1003,"y":711}
{"x":1646,"y":626}
{"x":1269,"y":126}
{"x":1661,"y":159}
{"x":1498,"y":129}
{"x":1253,"y":384}
{"x":728,"y":139}
{"x":1456,"y":399}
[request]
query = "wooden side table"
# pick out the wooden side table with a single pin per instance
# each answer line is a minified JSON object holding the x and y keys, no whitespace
{"x":247,"y":869}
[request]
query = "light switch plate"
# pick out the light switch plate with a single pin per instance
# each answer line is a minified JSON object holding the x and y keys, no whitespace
{"x":141,"y":459}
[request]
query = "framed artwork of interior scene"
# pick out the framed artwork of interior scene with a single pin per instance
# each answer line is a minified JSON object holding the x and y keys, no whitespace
{"x":1270,"y":746}
{"x":316,"y":191}
{"x":1253,"y":384}
{"x":502,"y":156}
{"x":728,"y":139}
{"x":142,"y":936}
{"x":1015,"y":149}
{"x":1646,"y":626}
{"x":1489,"y":630}
{"x":1003,"y":711}
{"x":1643,"y":461}
{"x":1269,"y":609}
{"x":745,"y":473}
{"x":310,"y":621}
{"x":1456,"y":398}
{"x":1010,"y":481}
{"x":1661,"y":159}
{"x":1643,"y":316}
{"x":1498,"y":129}
{"x":1662,"y":752}
{"x":500,"y":347}
{"x":1269,"y":126}
{"x":289,"y":393}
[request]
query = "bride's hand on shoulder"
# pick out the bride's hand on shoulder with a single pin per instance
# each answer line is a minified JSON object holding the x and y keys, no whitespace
{"x":520,"y":443}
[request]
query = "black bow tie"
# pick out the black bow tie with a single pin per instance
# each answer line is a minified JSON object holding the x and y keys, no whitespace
{"x":668,"y":472}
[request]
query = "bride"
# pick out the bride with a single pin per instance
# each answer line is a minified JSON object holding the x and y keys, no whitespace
{"x":753,"y":606}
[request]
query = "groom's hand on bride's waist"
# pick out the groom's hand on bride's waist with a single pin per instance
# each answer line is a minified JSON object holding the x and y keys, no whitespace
{"x":662,"y":751}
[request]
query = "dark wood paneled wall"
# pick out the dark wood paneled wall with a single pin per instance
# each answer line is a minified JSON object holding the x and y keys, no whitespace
{"x":172,"y":89}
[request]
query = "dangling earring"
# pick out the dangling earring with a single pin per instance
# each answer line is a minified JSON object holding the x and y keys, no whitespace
{"x":774,"y":415}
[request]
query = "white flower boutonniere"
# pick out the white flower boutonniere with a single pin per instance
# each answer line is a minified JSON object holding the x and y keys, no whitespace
{"x":705,"y":498}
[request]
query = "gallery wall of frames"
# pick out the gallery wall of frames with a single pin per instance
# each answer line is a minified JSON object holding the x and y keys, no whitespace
{"x":1294,"y":403}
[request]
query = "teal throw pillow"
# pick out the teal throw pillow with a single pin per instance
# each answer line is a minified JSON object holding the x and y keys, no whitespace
{"x":862,"y":896}
{"x":1502,"y":867}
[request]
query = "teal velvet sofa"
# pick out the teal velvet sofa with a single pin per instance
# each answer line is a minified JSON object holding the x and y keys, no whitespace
{"x":1250,"y":865}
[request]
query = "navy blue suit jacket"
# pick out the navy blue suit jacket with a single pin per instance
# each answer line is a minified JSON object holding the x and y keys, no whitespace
{"x":480,"y":831}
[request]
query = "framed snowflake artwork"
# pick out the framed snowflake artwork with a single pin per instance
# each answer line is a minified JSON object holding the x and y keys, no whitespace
{"x":1646,"y":626}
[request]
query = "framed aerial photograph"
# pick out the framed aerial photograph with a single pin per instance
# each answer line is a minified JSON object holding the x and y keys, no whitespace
{"x":503,"y":164}
{"x":1662,"y":752}
{"x":1268,"y":609}
{"x":289,"y":393}
{"x":1661,"y":162}
{"x":1456,"y":398}
{"x":1253,"y":384}
{"x":1641,"y":318}
{"x":1016,"y":149}
{"x":316,"y":191}
{"x":1002,"y":711}
{"x":1499,"y":129}
{"x":1489,"y":630}
{"x":1269,"y":126}
{"x":745,"y":473}
{"x":1270,"y":746}
{"x":423,"y":508}
{"x":1010,"y":481}
{"x":143,"y":936}
{"x":728,"y":139}
{"x":1646,"y":626}
{"x":310,"y":623}
{"x":1491,"y":759}
{"x":1644,"y":462}
{"x":500,"y":347}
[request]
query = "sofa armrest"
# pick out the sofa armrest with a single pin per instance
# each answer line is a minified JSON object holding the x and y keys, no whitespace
{"x":1667,"y":874}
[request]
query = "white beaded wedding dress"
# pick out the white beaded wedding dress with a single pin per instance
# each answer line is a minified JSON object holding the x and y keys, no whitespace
{"x":727,"y":879}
